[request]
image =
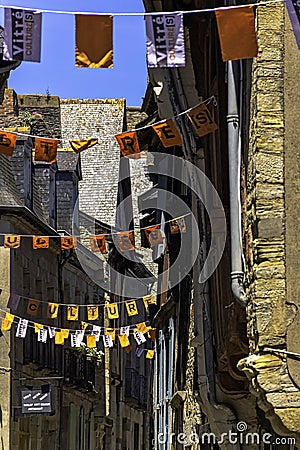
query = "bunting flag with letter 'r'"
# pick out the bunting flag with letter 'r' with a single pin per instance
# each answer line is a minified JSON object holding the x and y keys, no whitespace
{"x":165,"y":40}
{"x":22,"y":35}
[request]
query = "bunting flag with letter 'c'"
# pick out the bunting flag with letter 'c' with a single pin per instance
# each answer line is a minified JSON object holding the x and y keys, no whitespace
{"x":7,"y":143}
{"x":129,"y":144}
{"x":131,"y":307}
{"x":93,"y":312}
{"x":67,"y":242}
{"x":22,"y":35}
{"x":40,"y":242}
{"x":52,"y":310}
{"x":12,"y":241}
{"x":72,"y":312}
{"x":237,"y":34}
{"x":165,"y":40}
{"x":32,"y":307}
{"x":45,"y":150}
{"x":94,"y":41}
{"x":167,"y":133}
{"x":84,"y":144}
{"x":112,"y":311}
{"x":202,"y":120}
{"x":98,"y":244}
{"x":154,"y":235}
{"x":293,"y":8}
{"x":126,"y":240}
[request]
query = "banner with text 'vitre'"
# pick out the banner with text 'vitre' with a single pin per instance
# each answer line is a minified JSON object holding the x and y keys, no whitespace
{"x":22,"y":35}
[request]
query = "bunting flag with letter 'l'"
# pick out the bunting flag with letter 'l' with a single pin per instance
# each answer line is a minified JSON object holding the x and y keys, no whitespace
{"x":237,"y":34}
{"x":79,"y":145}
{"x":45,"y":150}
{"x":72,"y":312}
{"x":165,"y":40}
{"x":129,"y":144}
{"x":94,"y":41}
{"x":167,"y":133}
{"x":293,"y":7}
{"x":7,"y":143}
{"x":22,"y":35}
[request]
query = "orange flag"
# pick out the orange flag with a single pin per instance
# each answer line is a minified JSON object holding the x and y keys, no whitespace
{"x":129,"y":144}
{"x":72,"y":312}
{"x":40,"y":242}
{"x":68,"y":242}
{"x":7,"y":143}
{"x":45,"y":150}
{"x":32,"y":307}
{"x":12,"y":241}
{"x":237,"y":33}
{"x":78,"y":146}
{"x":202,"y":120}
{"x":94,"y":41}
{"x":154,"y":235}
{"x":126,"y":240}
{"x":124,"y":341}
{"x":167,"y":133}
{"x":98,"y":244}
{"x":178,"y":226}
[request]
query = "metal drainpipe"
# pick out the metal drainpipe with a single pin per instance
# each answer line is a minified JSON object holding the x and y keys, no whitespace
{"x":234,"y":163}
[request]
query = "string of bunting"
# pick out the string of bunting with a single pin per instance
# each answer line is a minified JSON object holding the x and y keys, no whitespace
{"x":141,"y":332}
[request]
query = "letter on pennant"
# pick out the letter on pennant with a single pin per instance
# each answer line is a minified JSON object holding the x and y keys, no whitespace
{"x":154,"y":235}
{"x":126,"y":240}
{"x":202,"y":120}
{"x":131,"y":307}
{"x":93,"y":312}
{"x":7,"y":143}
{"x":40,"y":242}
{"x":167,"y":133}
{"x":98,"y":244}
{"x":45,"y":150}
{"x":12,"y":241}
{"x":32,"y":307}
{"x":73,"y":311}
{"x":129,"y":144}
{"x":52,"y":310}
{"x":67,"y":242}
{"x":112,"y":311}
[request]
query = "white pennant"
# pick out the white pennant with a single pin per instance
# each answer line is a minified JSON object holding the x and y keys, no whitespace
{"x":96,"y":332}
{"x":79,"y":335}
{"x":139,"y":337}
{"x":42,"y":335}
{"x":107,"y":341}
{"x":74,"y":340}
{"x":125,"y":330}
{"x":22,"y":328}
{"x":51,"y":331}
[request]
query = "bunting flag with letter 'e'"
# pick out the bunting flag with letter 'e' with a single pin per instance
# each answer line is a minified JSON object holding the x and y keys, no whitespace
{"x":129,"y":144}
{"x":237,"y":34}
{"x":12,"y":241}
{"x":94,"y":41}
{"x":167,"y":133}
{"x":79,"y":145}
{"x":7,"y":143}
{"x":293,"y":7}
{"x":45,"y":150}
{"x":22,"y":35}
{"x":165,"y":40}
{"x":202,"y":120}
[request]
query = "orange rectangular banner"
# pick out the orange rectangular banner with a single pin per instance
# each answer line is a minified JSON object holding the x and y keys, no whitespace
{"x":98,"y":244}
{"x":168,"y":133}
{"x":129,"y":144}
{"x":202,"y":120}
{"x":93,"y":312}
{"x":52,"y":310}
{"x":154,"y":235}
{"x":7,"y":143}
{"x":40,"y":242}
{"x":12,"y":241}
{"x":67,"y":242}
{"x":32,"y":307}
{"x":72,"y":313}
{"x":45,"y":150}
{"x":237,"y":34}
{"x":94,"y":41}
{"x":126,"y":240}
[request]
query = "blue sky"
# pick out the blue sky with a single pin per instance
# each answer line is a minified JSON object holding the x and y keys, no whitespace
{"x":57,"y":72}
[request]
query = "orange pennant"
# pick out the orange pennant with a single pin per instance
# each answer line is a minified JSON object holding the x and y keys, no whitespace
{"x":7,"y":143}
{"x":237,"y":34}
{"x":98,"y":244}
{"x":32,"y":307}
{"x":40,"y":242}
{"x":128,"y":143}
{"x":45,"y":150}
{"x":126,"y":240}
{"x":12,"y":241}
{"x":78,"y":146}
{"x":202,"y":120}
{"x":154,"y":235}
{"x":177,"y":226}
{"x":67,"y":242}
{"x":168,"y":133}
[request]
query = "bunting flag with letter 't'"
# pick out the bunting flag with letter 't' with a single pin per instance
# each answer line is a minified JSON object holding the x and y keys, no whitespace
{"x":237,"y":34}
{"x":165,"y":40}
{"x":45,"y":150}
{"x":7,"y":143}
{"x":94,"y":41}
{"x":22,"y":35}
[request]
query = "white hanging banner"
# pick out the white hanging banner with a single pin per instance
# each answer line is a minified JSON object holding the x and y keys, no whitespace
{"x":125,"y":330}
{"x":139,"y":337}
{"x":107,"y":341}
{"x":51,"y":331}
{"x":165,"y":40}
{"x":22,"y":35}
{"x":79,"y":335}
{"x":96,"y":332}
{"x":42,"y":335}
{"x":22,"y":328}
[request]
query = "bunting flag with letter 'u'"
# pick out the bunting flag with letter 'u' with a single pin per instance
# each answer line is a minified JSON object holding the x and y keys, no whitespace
{"x":237,"y":34}
{"x":79,"y":145}
{"x":293,"y":8}
{"x":12,"y":241}
{"x":45,"y":150}
{"x":7,"y":143}
{"x":112,"y":311}
{"x":22,"y":35}
{"x":129,"y":144}
{"x":167,"y":133}
{"x":94,"y":41}
{"x":165,"y":40}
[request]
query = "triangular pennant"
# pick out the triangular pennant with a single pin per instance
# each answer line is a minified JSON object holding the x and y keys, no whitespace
{"x":12,"y":241}
{"x":202,"y":120}
{"x":40,"y":242}
{"x":94,"y":41}
{"x":142,"y":327}
{"x":152,"y":334}
{"x":128,"y":348}
{"x":72,"y":312}
{"x":129,"y":144}
{"x":52,"y":310}
{"x":22,"y":328}
{"x":131,"y":307}
{"x":67,"y":242}
{"x":112,"y":311}
{"x":167,"y":133}
{"x":7,"y":143}
{"x":124,"y":341}
{"x":98,"y":244}
{"x":237,"y":34}
{"x":93,"y":312}
{"x":32,"y":307}
{"x":84,"y":144}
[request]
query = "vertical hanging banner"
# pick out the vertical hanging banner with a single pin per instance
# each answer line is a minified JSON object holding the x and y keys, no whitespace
{"x":42,"y":335}
{"x":32,"y":307}
{"x":7,"y":143}
{"x":22,"y":35}
{"x":45,"y":150}
{"x":107,"y":341}
{"x":167,"y":133}
{"x":12,"y":241}
{"x":131,"y":307}
{"x":237,"y":34}
{"x":94,"y":41}
{"x":165,"y":40}
{"x":98,"y":244}
{"x":112,"y":311}
{"x":91,"y":341}
{"x":202,"y":120}
{"x":52,"y":310}
{"x":129,"y":144}
{"x":124,"y":340}
{"x":96,"y":332}
{"x":293,"y":7}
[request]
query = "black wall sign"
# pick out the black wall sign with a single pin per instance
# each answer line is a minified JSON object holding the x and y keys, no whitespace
{"x":37,"y":401}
